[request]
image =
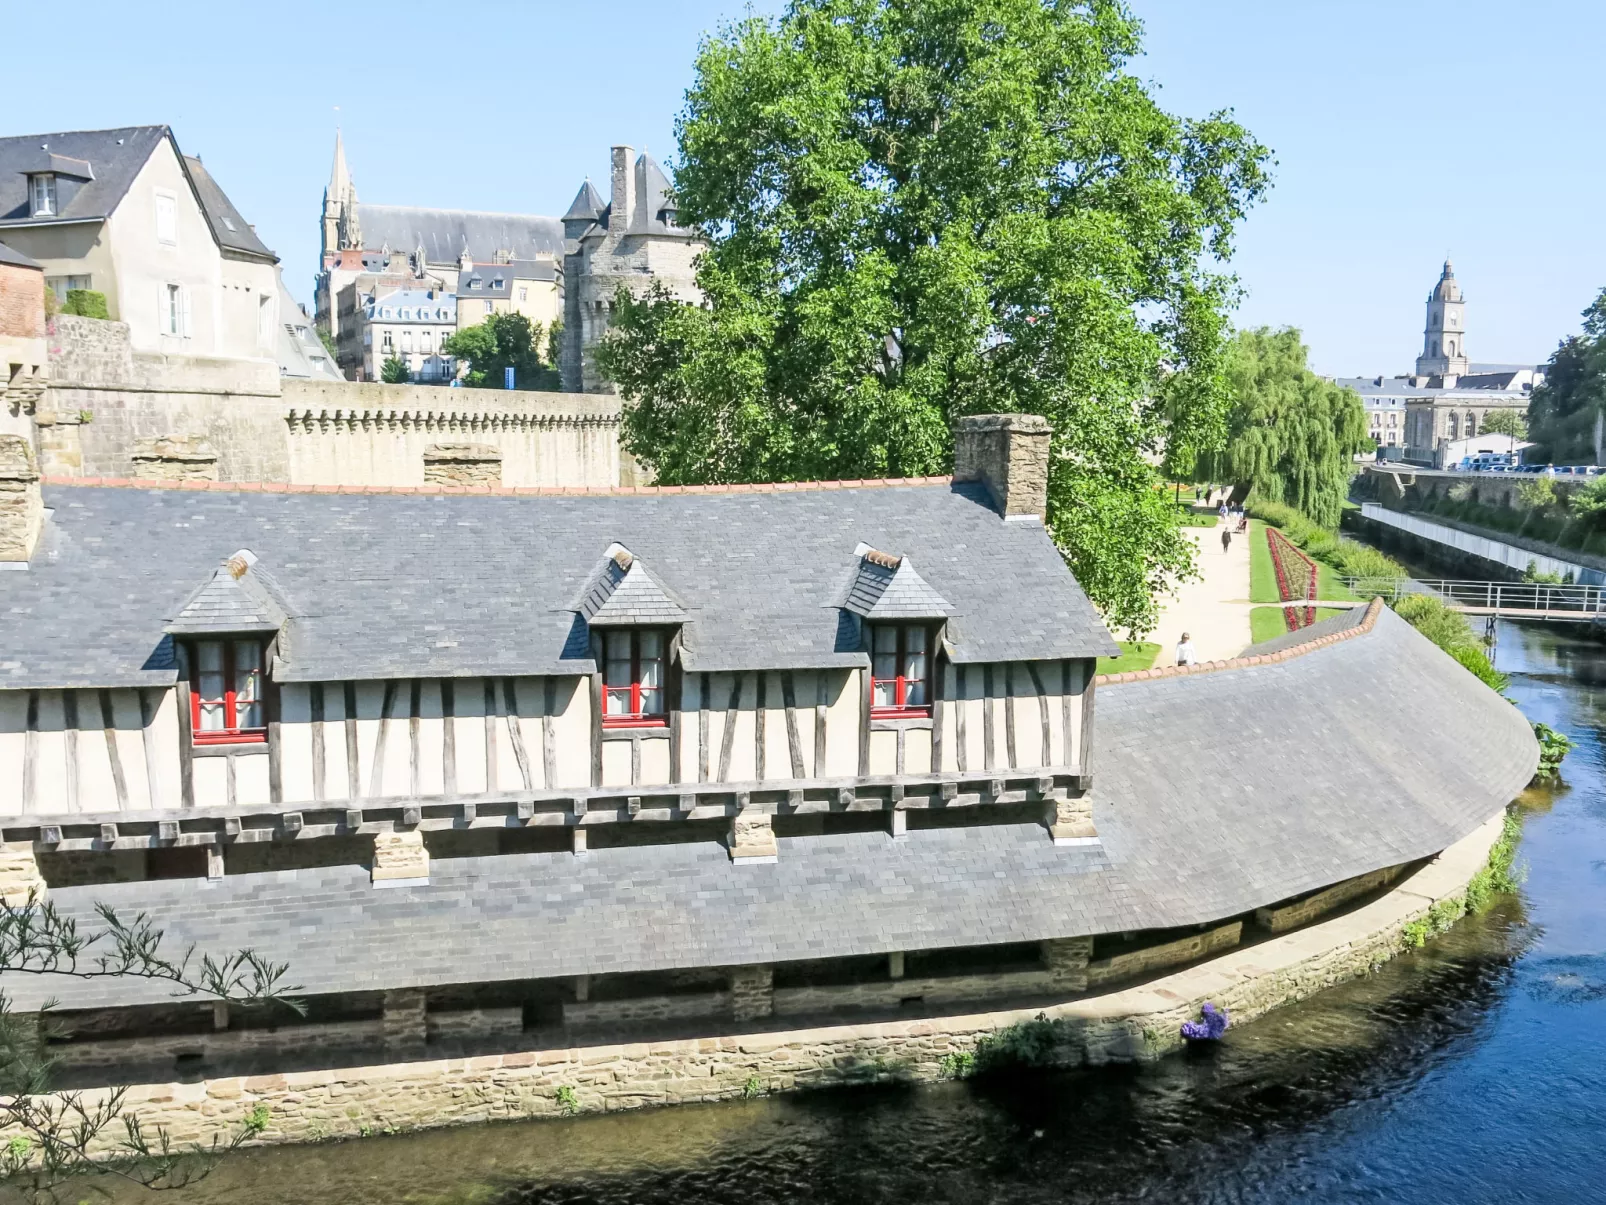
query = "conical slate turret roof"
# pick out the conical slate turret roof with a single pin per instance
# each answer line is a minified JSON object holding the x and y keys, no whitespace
{"x":587,"y":205}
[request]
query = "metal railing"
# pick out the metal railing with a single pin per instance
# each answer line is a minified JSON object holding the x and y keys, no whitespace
{"x":1572,"y":601}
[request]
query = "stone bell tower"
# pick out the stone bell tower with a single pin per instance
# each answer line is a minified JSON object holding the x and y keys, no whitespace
{"x":1444,"y":350}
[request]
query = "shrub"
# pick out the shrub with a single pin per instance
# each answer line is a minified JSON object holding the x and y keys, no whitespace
{"x":1553,"y":746}
{"x":958,"y":1065}
{"x":1533,"y":574}
{"x":1346,"y":556}
{"x":394,"y":371}
{"x":1482,"y":668}
{"x":86,"y":303}
{"x":568,"y":1102}
{"x":1537,"y":493}
{"x":1024,"y":1044}
{"x":1498,"y":877}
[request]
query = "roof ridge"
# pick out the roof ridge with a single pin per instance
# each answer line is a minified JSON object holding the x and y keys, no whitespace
{"x":1373,"y":610}
{"x":649,"y":491}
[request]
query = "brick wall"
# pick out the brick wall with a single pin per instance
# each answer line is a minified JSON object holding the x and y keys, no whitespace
{"x":22,"y":302}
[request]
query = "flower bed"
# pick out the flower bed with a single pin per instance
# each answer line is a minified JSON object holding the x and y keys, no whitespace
{"x":1296,"y":578}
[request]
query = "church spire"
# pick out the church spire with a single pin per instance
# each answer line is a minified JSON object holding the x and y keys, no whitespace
{"x":1444,"y":349}
{"x":340,"y":228}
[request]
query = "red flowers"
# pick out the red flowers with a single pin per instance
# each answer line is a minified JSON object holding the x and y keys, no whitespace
{"x":1296,"y":578}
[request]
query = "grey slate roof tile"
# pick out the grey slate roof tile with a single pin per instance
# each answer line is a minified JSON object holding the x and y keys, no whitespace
{"x":1373,"y":751}
{"x":471,"y":585}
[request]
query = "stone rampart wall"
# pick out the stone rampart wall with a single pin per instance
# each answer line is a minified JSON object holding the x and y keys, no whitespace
{"x":1137,"y":1023}
{"x":106,"y":401}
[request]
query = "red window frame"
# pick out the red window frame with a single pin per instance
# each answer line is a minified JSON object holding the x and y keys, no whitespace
{"x":633,"y":691}
{"x":231,"y":733}
{"x":901,"y":708}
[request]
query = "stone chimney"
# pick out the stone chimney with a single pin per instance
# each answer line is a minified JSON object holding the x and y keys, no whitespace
{"x":1009,"y":452}
{"x":22,"y":510}
{"x":624,"y":190}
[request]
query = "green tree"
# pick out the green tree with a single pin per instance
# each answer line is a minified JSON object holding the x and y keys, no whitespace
{"x":1291,"y":436}
{"x":394,"y":371}
{"x":1505,"y":422}
{"x":87,"y":303}
{"x":328,"y":342}
{"x":922,"y":209}
{"x":56,"y":1137}
{"x":1567,"y":413}
{"x":500,"y":342}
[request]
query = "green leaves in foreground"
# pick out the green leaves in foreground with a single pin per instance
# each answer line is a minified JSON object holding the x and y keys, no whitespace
{"x":923,"y":209}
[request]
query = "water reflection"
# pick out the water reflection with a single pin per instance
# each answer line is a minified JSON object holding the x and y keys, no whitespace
{"x":1471,"y":1071}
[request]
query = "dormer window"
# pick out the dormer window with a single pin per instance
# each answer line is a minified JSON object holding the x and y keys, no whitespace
{"x":42,"y":192}
{"x":900,"y":670}
{"x":226,"y":692}
{"x":633,"y":677}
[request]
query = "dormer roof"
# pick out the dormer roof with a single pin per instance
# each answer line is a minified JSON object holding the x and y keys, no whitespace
{"x":238,"y":597}
{"x":886,"y":587}
{"x":621,"y":593}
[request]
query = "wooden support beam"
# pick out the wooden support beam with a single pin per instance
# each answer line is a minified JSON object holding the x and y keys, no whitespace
{"x":315,"y":693}
{"x":353,"y":756}
{"x":108,"y":721}
{"x":387,"y":709}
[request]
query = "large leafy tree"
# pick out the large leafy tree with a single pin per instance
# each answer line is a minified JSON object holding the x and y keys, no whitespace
{"x":502,"y":341}
{"x":1567,"y":413}
{"x":921,"y":209}
{"x":1292,"y":437}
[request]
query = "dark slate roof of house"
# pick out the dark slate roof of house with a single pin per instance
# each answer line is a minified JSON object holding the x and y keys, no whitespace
{"x":888,"y":588}
{"x":232,"y":231}
{"x":238,"y":597}
{"x":446,"y":233}
{"x":419,"y":585}
{"x":496,"y":280}
{"x":115,"y":157}
{"x":16,"y":258}
{"x":1366,"y":753}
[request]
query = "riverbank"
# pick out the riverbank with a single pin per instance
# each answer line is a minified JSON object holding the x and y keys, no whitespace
{"x":1137,"y":1023}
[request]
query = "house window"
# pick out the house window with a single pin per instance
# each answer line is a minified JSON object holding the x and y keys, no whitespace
{"x":633,"y":677}
{"x":175,"y":317}
{"x":167,"y":219}
{"x":226,"y":692}
{"x":899,"y":670}
{"x":524,"y":293}
{"x":42,"y":189}
{"x":424,"y":342}
{"x":407,"y":341}
{"x":385,"y":343}
{"x":62,"y":285}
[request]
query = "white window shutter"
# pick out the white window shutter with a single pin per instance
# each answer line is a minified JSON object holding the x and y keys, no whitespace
{"x":184,"y":298}
{"x":162,"y":320}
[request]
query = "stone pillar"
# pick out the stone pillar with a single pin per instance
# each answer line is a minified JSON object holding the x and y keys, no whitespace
{"x":463,"y":464}
{"x":400,"y":859}
{"x":19,"y":873}
{"x":582,"y":988}
{"x":214,"y":862}
{"x":752,"y":838}
{"x":1009,"y":453}
{"x":577,"y":836}
{"x":1070,"y":821}
{"x":22,"y":508}
{"x":220,"y":1014}
{"x":895,"y":965}
{"x":1066,"y":960}
{"x":900,"y":822}
{"x":174,"y":458}
{"x":61,"y":448}
{"x":403,"y":1022}
{"x":753,"y":992}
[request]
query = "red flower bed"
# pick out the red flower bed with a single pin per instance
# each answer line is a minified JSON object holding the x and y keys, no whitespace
{"x":1296,"y":578}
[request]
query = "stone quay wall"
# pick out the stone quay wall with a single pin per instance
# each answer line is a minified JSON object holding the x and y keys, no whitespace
{"x":111,"y":411}
{"x":1138,"y":1023}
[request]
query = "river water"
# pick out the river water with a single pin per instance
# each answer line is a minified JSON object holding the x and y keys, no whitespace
{"x":1471,"y":1071}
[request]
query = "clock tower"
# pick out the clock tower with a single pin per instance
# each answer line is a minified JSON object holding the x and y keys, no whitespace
{"x":1444,"y":351}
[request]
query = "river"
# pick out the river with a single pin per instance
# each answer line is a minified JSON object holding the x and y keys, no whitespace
{"x":1471,"y":1071}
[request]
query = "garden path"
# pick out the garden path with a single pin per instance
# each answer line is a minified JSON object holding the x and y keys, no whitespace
{"x":1214,"y":609}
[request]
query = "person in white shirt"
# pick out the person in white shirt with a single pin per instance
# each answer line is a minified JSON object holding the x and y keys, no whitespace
{"x":1185,"y":654}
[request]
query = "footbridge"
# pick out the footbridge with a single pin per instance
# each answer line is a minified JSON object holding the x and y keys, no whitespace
{"x":1501,"y":600}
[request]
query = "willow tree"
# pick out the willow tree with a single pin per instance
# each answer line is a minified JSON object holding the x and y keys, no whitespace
{"x":1292,"y":437}
{"x":922,"y":209}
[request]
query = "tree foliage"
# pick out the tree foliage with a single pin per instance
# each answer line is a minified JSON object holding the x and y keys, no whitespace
{"x":1566,"y":413}
{"x":55,"y":1138}
{"x":1291,"y":436}
{"x":394,"y":371}
{"x":1505,"y":422}
{"x":503,"y":341}
{"x":922,"y":209}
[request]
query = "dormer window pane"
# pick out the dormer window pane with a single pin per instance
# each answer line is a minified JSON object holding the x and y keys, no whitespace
{"x":209,"y":685}
{"x":44,"y":195}
{"x":247,"y":684}
{"x":633,"y":677}
{"x":899,"y":678}
{"x":226,"y":691}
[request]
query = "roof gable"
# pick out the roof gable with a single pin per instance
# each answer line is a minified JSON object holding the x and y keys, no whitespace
{"x":238,"y":597}
{"x":112,"y":157}
{"x":886,"y":587}
{"x":622,"y":593}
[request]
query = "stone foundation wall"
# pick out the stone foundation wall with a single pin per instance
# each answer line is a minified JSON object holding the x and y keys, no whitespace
{"x":1172,"y":953}
{"x":1303,"y":911}
{"x":638,"y":1009}
{"x":1136,"y":1023}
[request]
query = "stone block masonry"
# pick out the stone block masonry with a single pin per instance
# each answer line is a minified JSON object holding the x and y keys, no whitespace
{"x":1138,"y":1023}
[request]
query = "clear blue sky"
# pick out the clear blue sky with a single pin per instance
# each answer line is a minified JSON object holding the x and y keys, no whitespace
{"x":1403,"y":130}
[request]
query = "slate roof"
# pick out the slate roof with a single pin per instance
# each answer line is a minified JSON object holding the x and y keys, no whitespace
{"x":586,"y":206}
{"x":883,"y":591}
{"x":397,"y":585}
{"x":446,"y":233}
{"x":1367,"y":753}
{"x":16,"y":258}
{"x":231,"y":230}
{"x":115,"y":156}
{"x":238,"y":597}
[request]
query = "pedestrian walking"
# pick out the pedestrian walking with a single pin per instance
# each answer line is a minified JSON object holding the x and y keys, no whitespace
{"x":1226,"y":538}
{"x":1185,"y":654}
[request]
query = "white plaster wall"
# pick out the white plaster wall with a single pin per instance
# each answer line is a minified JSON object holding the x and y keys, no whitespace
{"x":883,"y":751}
{"x":250,"y":780}
{"x":654,"y":761}
{"x":13,"y":743}
{"x":616,"y":763}
{"x":843,"y":705}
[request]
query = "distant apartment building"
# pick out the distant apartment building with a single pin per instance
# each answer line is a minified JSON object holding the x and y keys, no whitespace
{"x":411,"y":325}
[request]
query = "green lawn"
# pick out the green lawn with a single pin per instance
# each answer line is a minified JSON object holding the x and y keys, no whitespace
{"x":1135,"y":655}
{"x":1263,"y":578}
{"x":1266,"y":623}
